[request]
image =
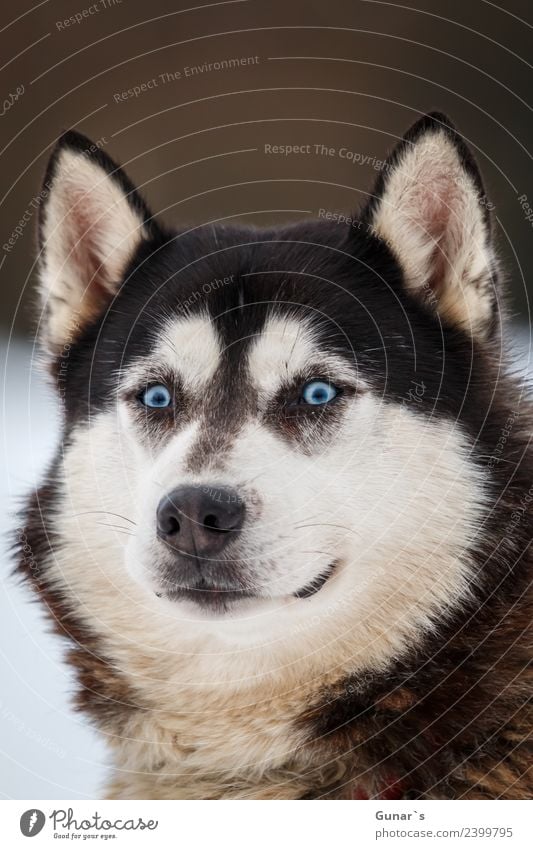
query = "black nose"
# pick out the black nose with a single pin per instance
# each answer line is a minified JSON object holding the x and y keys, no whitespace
{"x":200,"y":520}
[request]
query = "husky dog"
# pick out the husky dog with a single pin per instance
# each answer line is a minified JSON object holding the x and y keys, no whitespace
{"x":287,"y":527}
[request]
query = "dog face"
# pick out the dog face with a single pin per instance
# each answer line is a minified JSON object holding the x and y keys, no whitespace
{"x":269,"y":433}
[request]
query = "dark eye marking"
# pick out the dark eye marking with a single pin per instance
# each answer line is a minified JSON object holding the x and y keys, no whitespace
{"x":156,"y":404}
{"x":311,"y":404}
{"x":310,"y":397}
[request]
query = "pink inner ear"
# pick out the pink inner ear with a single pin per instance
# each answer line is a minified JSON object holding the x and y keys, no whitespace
{"x":440,"y":211}
{"x":86,"y":236}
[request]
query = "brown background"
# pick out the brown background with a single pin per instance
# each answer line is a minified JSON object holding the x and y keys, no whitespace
{"x":379,"y":65}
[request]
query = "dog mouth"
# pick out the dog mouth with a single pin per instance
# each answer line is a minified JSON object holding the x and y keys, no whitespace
{"x":317,"y":583}
{"x":209,"y":596}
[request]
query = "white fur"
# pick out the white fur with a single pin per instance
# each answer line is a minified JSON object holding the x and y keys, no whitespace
{"x":188,"y":347}
{"x":282,"y":350}
{"x":394,"y":497}
{"x":287,"y":347}
{"x":192,"y":348}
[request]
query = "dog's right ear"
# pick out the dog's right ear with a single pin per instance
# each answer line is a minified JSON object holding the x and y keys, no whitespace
{"x":91,"y":224}
{"x":430,"y":208}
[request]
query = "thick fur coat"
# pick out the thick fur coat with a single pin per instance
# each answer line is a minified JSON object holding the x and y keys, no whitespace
{"x":367,"y":634}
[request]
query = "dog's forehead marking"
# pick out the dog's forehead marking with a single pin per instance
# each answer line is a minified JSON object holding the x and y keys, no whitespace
{"x":283,"y":349}
{"x":191,"y":347}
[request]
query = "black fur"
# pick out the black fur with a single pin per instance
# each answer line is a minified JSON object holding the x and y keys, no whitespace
{"x":347,"y":283}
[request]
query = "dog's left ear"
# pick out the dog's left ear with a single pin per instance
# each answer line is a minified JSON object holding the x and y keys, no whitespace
{"x":430,"y":207}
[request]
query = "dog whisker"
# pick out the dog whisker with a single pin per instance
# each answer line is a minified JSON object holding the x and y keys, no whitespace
{"x":326,"y":525}
{"x":103,"y":513}
{"x":116,"y":528}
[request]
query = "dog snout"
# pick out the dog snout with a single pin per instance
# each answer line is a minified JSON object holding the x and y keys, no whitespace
{"x":199,"y":521}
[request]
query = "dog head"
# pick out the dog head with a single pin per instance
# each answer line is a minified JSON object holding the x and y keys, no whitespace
{"x":271,"y":428}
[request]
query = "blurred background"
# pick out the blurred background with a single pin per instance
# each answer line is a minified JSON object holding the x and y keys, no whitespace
{"x":190,"y":98}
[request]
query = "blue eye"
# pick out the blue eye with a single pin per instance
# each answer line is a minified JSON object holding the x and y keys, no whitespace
{"x":156,"y":397}
{"x":317,"y":392}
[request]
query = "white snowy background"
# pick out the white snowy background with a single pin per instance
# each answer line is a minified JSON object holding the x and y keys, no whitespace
{"x":48,"y":751}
